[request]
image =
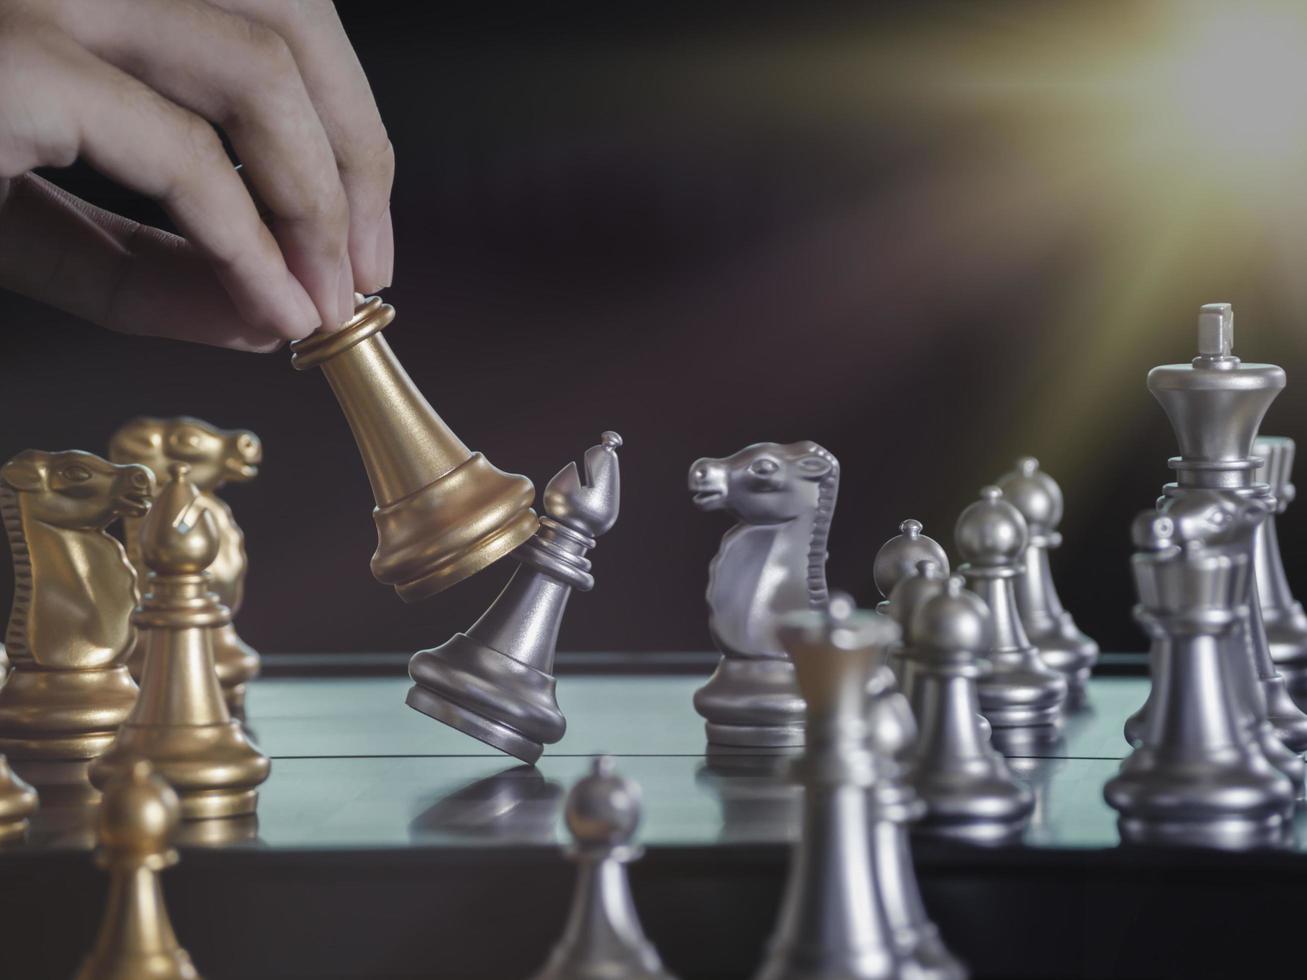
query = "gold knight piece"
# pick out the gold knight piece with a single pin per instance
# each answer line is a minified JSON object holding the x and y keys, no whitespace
{"x":70,"y":629}
{"x":181,"y":722}
{"x":215,"y":457}
{"x":138,"y":819}
{"x":443,"y":512}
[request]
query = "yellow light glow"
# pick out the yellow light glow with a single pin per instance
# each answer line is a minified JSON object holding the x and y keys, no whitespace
{"x":1234,"y":86}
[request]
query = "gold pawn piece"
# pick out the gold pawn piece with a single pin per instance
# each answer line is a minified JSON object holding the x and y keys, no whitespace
{"x":216,"y":457}
{"x":138,"y":817}
{"x":181,"y":722}
{"x":17,"y":803}
{"x":443,"y":512}
{"x":70,"y":629}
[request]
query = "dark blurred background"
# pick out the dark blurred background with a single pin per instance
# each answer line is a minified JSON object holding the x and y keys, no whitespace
{"x":931,"y":237}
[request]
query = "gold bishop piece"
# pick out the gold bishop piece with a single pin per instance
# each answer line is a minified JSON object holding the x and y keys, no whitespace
{"x":443,"y":512}
{"x":138,"y":817}
{"x":70,"y":628}
{"x":216,"y":457}
{"x":181,"y":722}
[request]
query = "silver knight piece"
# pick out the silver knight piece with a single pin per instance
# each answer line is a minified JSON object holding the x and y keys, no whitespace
{"x":1021,"y":697}
{"x":1215,"y":405}
{"x":970,"y":793}
{"x":495,"y":682}
{"x":851,"y":908}
{"x":1048,"y":625}
{"x":1283,"y":616}
{"x":603,"y":939}
{"x":1196,"y":777}
{"x":773,"y":561}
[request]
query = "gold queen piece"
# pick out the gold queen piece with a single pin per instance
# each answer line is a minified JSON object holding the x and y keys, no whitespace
{"x":70,"y":629}
{"x":443,"y":512}
{"x":181,"y":722}
{"x":216,"y":457}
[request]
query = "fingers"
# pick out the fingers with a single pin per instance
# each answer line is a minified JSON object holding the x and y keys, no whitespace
{"x":242,"y":76}
{"x":343,"y":100}
{"x":104,"y":268}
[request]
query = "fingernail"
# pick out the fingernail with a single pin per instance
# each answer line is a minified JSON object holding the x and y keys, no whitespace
{"x":384,"y":250}
{"x":345,"y":290}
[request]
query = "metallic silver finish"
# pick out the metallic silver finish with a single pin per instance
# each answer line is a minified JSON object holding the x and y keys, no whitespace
{"x":1022,"y":698}
{"x":773,"y":561}
{"x":1048,"y":625}
{"x":603,"y":939}
{"x":894,"y":729}
{"x":495,"y":682}
{"x":1282,"y":615}
{"x":897,"y":559}
{"x":1197,"y":778}
{"x":902,"y":554}
{"x":851,"y":908}
{"x":1215,"y":405}
{"x":969,"y":792}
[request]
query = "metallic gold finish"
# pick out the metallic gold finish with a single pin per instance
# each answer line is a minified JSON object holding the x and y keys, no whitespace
{"x":70,"y":629}
{"x":216,"y":457}
{"x":17,"y":803}
{"x":443,"y":512}
{"x":181,"y":722}
{"x":136,"y":942}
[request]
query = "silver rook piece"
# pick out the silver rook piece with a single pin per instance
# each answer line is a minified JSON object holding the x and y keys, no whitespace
{"x":603,"y":939}
{"x":850,"y":908}
{"x":1022,"y":698}
{"x":1049,"y":626}
{"x":1196,"y":778}
{"x":1286,"y":624}
{"x":773,"y":561}
{"x":1215,"y":405}
{"x":495,"y":682}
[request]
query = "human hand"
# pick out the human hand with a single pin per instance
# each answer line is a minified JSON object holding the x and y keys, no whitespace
{"x":134,"y":88}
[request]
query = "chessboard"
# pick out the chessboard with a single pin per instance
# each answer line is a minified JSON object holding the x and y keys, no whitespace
{"x":387,"y":846}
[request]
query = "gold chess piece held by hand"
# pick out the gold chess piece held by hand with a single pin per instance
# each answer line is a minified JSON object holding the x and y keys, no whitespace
{"x":70,"y":628}
{"x":181,"y":722}
{"x":443,"y":512}
{"x":216,"y":457}
{"x":138,"y":817}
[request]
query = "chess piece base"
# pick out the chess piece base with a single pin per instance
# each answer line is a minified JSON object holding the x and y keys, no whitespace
{"x":488,"y":695}
{"x":752,"y":703}
{"x":988,"y":810}
{"x":215,"y":769}
{"x":1244,"y":803}
{"x":468,"y":722}
{"x":1287,"y":640}
{"x":1069,"y":659}
{"x":63,"y":714}
{"x":1286,"y":718}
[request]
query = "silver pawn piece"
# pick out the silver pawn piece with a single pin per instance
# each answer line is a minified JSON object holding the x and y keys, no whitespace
{"x":603,"y":939}
{"x":970,"y":793}
{"x":1048,"y":625}
{"x":1283,"y":616}
{"x":495,"y":682}
{"x":773,"y":561}
{"x":851,"y":908}
{"x":1022,"y":698}
{"x":898,"y":558}
{"x":1196,"y":778}
{"x":1215,"y":405}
